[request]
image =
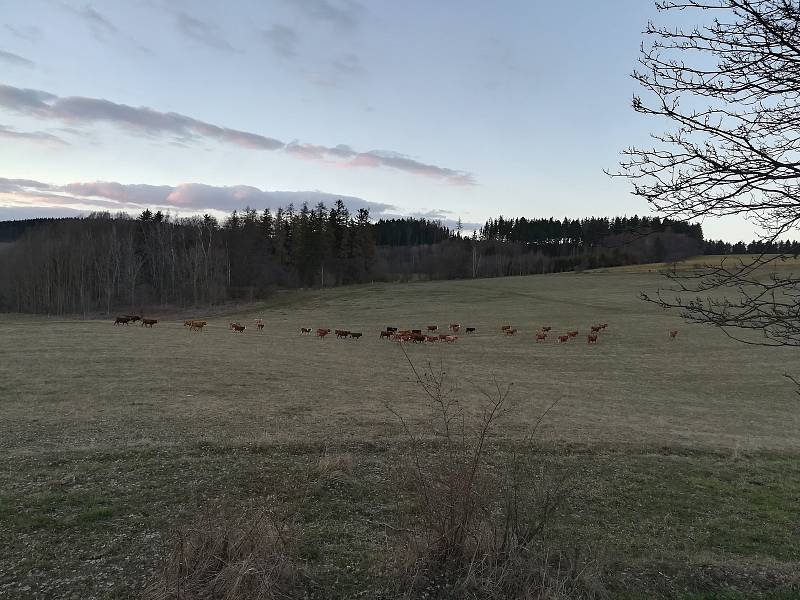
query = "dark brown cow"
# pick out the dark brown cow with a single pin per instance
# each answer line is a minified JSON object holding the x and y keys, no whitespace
{"x":133,"y":318}
{"x":673,"y":334}
{"x":321,"y":333}
{"x":232,"y":325}
{"x":433,"y":327}
{"x":416,"y":331}
{"x":355,"y":334}
{"x":470,"y":330}
{"x":442,"y":336}
{"x":391,"y":329}
{"x":563,"y":338}
{"x":417,"y":338}
{"x":121,"y":320}
{"x":342,"y":333}
{"x":305,"y":330}
{"x":149,"y":322}
{"x":541,"y":336}
{"x":239,"y":328}
{"x":386,"y":334}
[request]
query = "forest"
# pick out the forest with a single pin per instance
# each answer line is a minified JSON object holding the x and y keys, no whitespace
{"x":104,"y":263}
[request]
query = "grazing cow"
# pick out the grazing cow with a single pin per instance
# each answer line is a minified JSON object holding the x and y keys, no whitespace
{"x":511,"y":331}
{"x":305,"y":330}
{"x":433,"y":327}
{"x":391,"y":329}
{"x":239,"y":328}
{"x":431,"y":338}
{"x":673,"y":334}
{"x":596,"y":328}
{"x":197,"y":325}
{"x":505,"y":328}
{"x":455,"y":326}
{"x":591,"y":338}
{"x":450,"y":338}
{"x":122,"y":321}
{"x":541,"y":336}
{"x":385,"y":334}
{"x":149,"y":322}
{"x":563,"y":338}
{"x":342,"y":333}
{"x":355,"y":334}
{"x":470,"y":330}
{"x":573,"y":333}
{"x":321,"y":333}
{"x":545,"y":329}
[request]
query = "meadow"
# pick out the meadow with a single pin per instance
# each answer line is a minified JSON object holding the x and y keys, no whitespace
{"x":684,"y":452}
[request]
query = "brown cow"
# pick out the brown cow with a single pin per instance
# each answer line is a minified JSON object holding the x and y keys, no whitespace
{"x":239,"y":328}
{"x":511,"y":331}
{"x":416,"y":331}
{"x":541,"y":336}
{"x":355,"y":334}
{"x":304,"y":330}
{"x":431,"y":338}
{"x":573,"y":333}
{"x":321,"y":333}
{"x":442,"y":336}
{"x":385,"y":334}
{"x":149,"y":322}
{"x":591,"y":338}
{"x":122,"y":320}
{"x":673,"y":334}
{"x":133,"y":318}
{"x":563,"y":338}
{"x":197,"y":325}
{"x":232,"y":325}
{"x":417,"y":338}
{"x":450,"y":338}
{"x":433,"y":327}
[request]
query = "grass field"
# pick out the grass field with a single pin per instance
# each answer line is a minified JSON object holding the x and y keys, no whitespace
{"x":685,"y":452}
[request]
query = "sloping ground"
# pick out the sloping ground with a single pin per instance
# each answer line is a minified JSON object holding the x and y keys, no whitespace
{"x":683,"y":453}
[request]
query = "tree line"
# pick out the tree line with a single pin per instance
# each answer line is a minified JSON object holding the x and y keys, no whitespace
{"x":106,"y":263}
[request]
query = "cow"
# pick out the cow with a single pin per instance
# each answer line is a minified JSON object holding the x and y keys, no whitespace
{"x":433,"y":327}
{"x":391,"y":329}
{"x":591,"y":338}
{"x":187,"y":323}
{"x":385,"y":334}
{"x":450,"y":338}
{"x":260,"y":324}
{"x":355,"y":334}
{"x":305,"y":330}
{"x":417,"y":338}
{"x":149,"y":322}
{"x":596,"y":328}
{"x":455,"y":326}
{"x":417,"y":331}
{"x":442,"y":336}
{"x":432,"y":338}
{"x":197,"y":325}
{"x":573,"y":333}
{"x":673,"y":334}
{"x":342,"y":333}
{"x":133,"y":318}
{"x":541,"y":336}
{"x":470,"y":330}
{"x":232,"y":325}
{"x":505,"y":328}
{"x":546,"y":329}
{"x":563,"y":338}
{"x":321,"y":333}
{"x":511,"y":331}
{"x":122,"y":320}
{"x":239,"y":328}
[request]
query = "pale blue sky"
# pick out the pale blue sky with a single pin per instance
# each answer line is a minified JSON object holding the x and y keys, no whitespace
{"x":468,"y":109}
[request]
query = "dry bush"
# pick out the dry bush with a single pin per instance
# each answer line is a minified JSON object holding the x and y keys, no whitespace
{"x":481,"y":527}
{"x":247,"y":558}
{"x":332,"y":463}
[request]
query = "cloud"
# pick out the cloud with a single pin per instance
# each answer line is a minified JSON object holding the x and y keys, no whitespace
{"x":100,"y":25}
{"x":186,"y":198}
{"x":200,"y":31}
{"x":283,"y":40}
{"x":16,"y":59}
{"x":28,"y":34}
{"x":31,"y":136}
{"x":142,"y":120}
{"x":346,"y":14}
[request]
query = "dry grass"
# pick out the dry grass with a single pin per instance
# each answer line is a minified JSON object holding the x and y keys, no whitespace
{"x":336,"y":463}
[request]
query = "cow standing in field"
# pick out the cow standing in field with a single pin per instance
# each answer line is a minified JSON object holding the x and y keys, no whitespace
{"x":321,"y":333}
{"x":187,"y":323}
{"x":260,"y":324}
{"x":541,"y":336}
{"x":433,"y":327}
{"x":596,"y":328}
{"x":121,"y":321}
{"x":432,"y":338}
{"x":197,"y":325}
{"x":562,"y":339}
{"x":591,"y":338}
{"x":573,"y":333}
{"x":386,"y":334}
{"x":546,"y":329}
{"x":239,"y":328}
{"x":673,"y":334}
{"x":391,"y":329}
{"x":355,"y":335}
{"x":149,"y":322}
{"x":342,"y":333}
{"x":505,"y":328}
{"x":305,"y":330}
{"x":454,"y":327}
{"x":470,"y":330}
{"x":450,"y":338}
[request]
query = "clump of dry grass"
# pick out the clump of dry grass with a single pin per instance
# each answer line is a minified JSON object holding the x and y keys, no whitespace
{"x":333,"y":463}
{"x":246,"y":558}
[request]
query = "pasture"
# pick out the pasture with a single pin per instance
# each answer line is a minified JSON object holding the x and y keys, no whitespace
{"x":684,"y":451}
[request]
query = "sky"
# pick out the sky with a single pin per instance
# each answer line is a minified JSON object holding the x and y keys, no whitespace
{"x":450,"y":109}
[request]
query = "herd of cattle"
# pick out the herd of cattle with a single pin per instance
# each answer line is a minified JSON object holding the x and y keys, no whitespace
{"x":431,"y":334}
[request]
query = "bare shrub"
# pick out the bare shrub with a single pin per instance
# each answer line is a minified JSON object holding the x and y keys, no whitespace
{"x":481,"y":525}
{"x":247,"y":558}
